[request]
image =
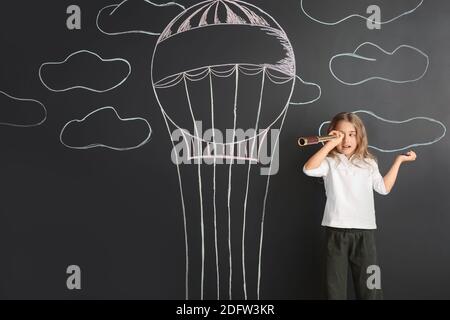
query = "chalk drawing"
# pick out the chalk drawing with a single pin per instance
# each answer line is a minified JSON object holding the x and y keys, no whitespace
{"x":333,"y":23}
{"x":234,"y":15}
{"x":86,"y":54}
{"x":111,"y":10}
{"x":398,"y":122}
{"x":357,"y":56}
{"x":71,"y":123}
{"x":23,"y":125}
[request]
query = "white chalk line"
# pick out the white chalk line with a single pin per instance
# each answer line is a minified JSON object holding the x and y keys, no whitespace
{"x":264,"y":209}
{"x":183,"y":207}
{"x":214,"y":188}
{"x":359,"y":16}
{"x":253,"y":19}
{"x":229,"y":179}
{"x":247,"y":186}
{"x":202,"y":227}
{"x":183,"y":76}
{"x":93,"y":145}
{"x":204,"y":71}
{"x":9,"y":124}
{"x":261,"y":237}
{"x":202,"y":75}
{"x":357,"y":56}
{"x":284,"y":112}
{"x":80,"y":86}
{"x":117,"y":6}
{"x":398,"y":122}
{"x":174,"y":80}
{"x":310,"y":101}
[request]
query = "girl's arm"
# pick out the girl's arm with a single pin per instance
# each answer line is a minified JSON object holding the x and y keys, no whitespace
{"x":317,"y":158}
{"x":390,"y":177}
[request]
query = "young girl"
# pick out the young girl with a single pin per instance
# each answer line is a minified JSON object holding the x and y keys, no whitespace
{"x":350,"y":175}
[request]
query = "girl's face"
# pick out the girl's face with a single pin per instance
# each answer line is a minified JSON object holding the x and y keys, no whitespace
{"x":349,"y":143}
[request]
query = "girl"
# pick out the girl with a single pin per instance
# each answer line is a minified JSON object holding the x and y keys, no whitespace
{"x":350,"y":175}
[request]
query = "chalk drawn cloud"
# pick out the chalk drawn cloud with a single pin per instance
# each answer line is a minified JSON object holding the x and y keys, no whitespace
{"x":84,"y":69}
{"x":104,"y":127}
{"x":302,"y":86}
{"x":20,"y":112}
{"x":316,"y":13}
{"x":133,"y":17}
{"x":371,"y":62}
{"x":398,"y":135}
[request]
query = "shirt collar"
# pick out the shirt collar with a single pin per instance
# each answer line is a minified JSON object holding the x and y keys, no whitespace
{"x":344,"y":158}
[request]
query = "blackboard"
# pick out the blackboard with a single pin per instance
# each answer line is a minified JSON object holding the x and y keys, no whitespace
{"x":88,"y":177}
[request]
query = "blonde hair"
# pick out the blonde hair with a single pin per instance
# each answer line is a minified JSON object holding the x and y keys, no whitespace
{"x":361,"y":151}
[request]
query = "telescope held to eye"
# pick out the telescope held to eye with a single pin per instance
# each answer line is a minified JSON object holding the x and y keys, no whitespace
{"x":306,"y":141}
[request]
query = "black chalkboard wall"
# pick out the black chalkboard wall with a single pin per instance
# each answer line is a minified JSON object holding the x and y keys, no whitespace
{"x":87,"y":177}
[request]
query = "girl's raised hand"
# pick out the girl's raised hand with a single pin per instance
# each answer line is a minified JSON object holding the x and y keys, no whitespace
{"x":333,"y":143}
{"x":409,"y":156}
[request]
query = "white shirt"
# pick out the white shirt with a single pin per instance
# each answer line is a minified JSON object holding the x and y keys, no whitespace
{"x":349,"y":189}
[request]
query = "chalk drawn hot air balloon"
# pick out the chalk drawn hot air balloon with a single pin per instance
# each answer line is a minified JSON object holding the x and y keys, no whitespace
{"x":224,"y":66}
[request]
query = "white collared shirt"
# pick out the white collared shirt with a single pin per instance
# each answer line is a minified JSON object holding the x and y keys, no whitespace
{"x":349,"y":188}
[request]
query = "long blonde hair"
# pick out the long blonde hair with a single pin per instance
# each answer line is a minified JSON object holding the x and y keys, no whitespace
{"x":361,"y":151}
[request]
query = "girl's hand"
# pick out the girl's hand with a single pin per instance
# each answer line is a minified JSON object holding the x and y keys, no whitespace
{"x":406,"y":157}
{"x":334,"y":142}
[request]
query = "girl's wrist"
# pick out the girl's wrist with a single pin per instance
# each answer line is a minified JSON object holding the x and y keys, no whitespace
{"x":398,"y":160}
{"x":328,"y":147}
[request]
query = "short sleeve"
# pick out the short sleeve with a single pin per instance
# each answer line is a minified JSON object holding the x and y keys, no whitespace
{"x":320,"y":171}
{"x":377,"y":179}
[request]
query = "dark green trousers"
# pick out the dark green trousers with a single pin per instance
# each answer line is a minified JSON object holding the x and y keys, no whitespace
{"x":354,"y":248}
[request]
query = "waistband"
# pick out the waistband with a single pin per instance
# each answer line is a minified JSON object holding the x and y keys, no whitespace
{"x":348,"y":229}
